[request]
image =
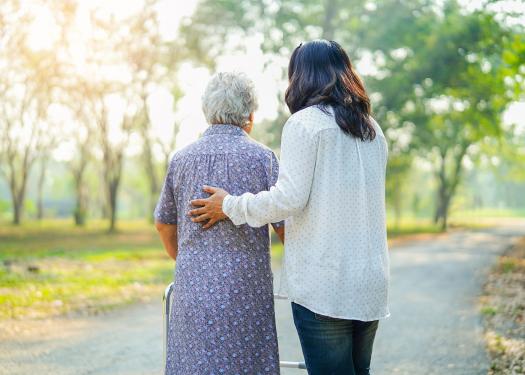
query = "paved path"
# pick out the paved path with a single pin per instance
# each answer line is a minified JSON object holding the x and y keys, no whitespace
{"x":124,"y":342}
{"x":435,"y":327}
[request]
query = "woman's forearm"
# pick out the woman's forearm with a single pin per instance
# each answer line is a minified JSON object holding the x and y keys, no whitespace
{"x":262,"y":208}
{"x":168,"y":236}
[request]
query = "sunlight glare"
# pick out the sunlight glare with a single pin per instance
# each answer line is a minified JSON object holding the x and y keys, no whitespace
{"x":44,"y":32}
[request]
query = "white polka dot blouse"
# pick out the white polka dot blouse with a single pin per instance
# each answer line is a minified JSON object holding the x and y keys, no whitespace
{"x":331,"y":191}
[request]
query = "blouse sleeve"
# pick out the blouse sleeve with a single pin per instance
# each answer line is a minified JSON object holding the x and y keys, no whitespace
{"x":292,"y":190}
{"x":166,"y":210}
{"x":274,"y":170}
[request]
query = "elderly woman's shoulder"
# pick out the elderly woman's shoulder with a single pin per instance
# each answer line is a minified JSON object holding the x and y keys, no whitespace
{"x":186,"y":151}
{"x":258,"y":148}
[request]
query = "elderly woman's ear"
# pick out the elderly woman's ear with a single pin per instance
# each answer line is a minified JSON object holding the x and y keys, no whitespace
{"x":249,"y":126}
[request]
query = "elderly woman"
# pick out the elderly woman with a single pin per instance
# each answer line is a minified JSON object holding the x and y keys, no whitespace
{"x":222,"y":321}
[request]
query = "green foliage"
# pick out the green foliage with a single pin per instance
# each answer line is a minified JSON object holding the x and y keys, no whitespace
{"x":445,"y":87}
{"x":220,"y":27}
{"x":442,"y":73}
{"x":514,"y":59}
{"x":282,"y":24}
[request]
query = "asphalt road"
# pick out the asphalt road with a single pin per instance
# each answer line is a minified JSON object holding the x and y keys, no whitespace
{"x":435,"y":326}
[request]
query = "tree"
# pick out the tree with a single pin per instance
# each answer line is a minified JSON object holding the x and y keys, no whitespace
{"x":119,"y":103}
{"x":26,"y":88}
{"x":153,"y":64}
{"x":112,"y":136}
{"x":81,"y":138}
{"x":398,"y":169}
{"x":453,"y":108}
{"x":111,"y":102}
{"x":48,"y":143}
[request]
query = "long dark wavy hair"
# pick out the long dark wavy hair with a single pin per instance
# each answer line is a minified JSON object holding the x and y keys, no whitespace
{"x":320,"y":73}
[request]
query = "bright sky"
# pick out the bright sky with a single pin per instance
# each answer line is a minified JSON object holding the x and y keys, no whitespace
{"x":193,"y":80}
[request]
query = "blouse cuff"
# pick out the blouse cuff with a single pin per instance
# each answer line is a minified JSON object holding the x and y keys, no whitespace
{"x":228,"y":207}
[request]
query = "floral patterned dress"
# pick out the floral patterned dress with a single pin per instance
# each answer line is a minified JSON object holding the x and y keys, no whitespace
{"x":222,"y":320}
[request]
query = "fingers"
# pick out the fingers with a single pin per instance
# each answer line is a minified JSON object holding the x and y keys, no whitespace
{"x":200,"y":218}
{"x":199,"y":202}
{"x":209,"y":224}
{"x":210,"y":189}
{"x":197,"y":211}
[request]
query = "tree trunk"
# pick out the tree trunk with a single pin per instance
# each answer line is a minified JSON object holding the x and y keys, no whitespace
{"x":80,"y":213}
{"x":442,"y":207}
{"x":80,"y":206}
{"x":443,"y":196}
{"x":113,"y":190}
{"x":40,"y":194}
{"x":113,"y":174}
{"x":448,"y":185}
{"x":17,"y":199}
{"x":104,"y":190}
{"x":18,"y":192}
{"x":152,"y":202}
{"x":442,"y":188}
{"x":151,"y":173}
{"x":17,"y":210}
{"x":330,"y":7}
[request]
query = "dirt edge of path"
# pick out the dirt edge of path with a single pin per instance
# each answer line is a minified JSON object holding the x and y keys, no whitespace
{"x":503,"y":310}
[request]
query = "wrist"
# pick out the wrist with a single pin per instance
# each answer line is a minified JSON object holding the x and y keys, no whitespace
{"x":226,"y":204}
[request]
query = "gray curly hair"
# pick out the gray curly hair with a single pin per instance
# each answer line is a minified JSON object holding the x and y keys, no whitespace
{"x":229,"y":98}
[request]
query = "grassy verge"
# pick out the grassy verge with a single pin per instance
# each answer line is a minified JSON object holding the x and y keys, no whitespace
{"x":53,"y":268}
{"x":503,"y":308}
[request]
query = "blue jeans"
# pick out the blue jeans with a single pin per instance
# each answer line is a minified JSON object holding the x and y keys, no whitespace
{"x":334,"y":346}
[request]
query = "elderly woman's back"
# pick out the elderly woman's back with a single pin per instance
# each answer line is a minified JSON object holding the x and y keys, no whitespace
{"x":222,"y":318}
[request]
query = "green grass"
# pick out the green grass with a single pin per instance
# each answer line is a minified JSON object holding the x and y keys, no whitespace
{"x":508,"y":265}
{"x":412,"y":225}
{"x":60,"y":238}
{"x":53,"y":268}
{"x":489,"y":311}
{"x":489,"y":213}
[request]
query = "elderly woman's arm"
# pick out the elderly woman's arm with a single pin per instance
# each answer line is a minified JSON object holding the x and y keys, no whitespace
{"x":289,"y":195}
{"x":168,"y":235}
{"x":166,"y":214}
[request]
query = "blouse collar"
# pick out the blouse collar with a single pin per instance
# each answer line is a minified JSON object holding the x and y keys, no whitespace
{"x":225,"y":129}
